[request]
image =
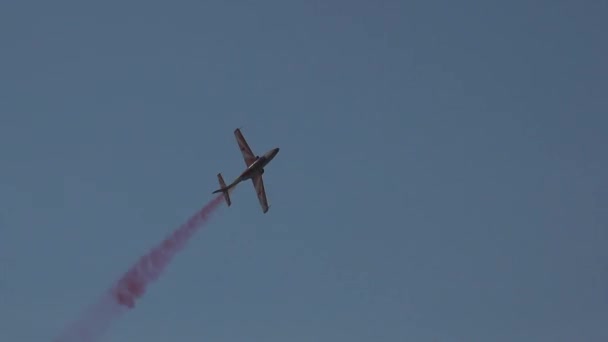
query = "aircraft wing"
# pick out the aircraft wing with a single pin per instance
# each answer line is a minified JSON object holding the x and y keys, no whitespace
{"x":244,"y":147}
{"x":258,"y":184}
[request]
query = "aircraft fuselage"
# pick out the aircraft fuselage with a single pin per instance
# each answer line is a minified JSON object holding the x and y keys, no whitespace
{"x":258,"y":165}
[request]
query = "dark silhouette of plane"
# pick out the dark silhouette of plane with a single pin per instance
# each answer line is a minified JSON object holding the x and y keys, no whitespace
{"x":255,"y":169}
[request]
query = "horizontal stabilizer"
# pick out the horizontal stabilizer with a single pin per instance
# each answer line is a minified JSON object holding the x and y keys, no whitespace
{"x":223,"y":189}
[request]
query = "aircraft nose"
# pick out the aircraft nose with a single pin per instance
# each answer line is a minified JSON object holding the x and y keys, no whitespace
{"x":273,"y":153}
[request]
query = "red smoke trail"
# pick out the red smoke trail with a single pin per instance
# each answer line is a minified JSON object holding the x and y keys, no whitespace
{"x":94,"y":322}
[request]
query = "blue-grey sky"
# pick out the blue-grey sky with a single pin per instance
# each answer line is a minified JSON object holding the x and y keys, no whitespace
{"x":442,"y":174}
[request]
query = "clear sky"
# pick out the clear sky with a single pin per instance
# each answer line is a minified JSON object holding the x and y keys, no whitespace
{"x":442,"y":173}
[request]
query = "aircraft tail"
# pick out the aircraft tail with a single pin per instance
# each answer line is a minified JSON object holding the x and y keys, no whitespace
{"x":223,"y":189}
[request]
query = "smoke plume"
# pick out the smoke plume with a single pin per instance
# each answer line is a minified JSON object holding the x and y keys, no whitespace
{"x":122,"y":296}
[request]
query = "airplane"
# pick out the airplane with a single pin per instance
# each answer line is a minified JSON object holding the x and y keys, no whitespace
{"x":254,"y":171}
